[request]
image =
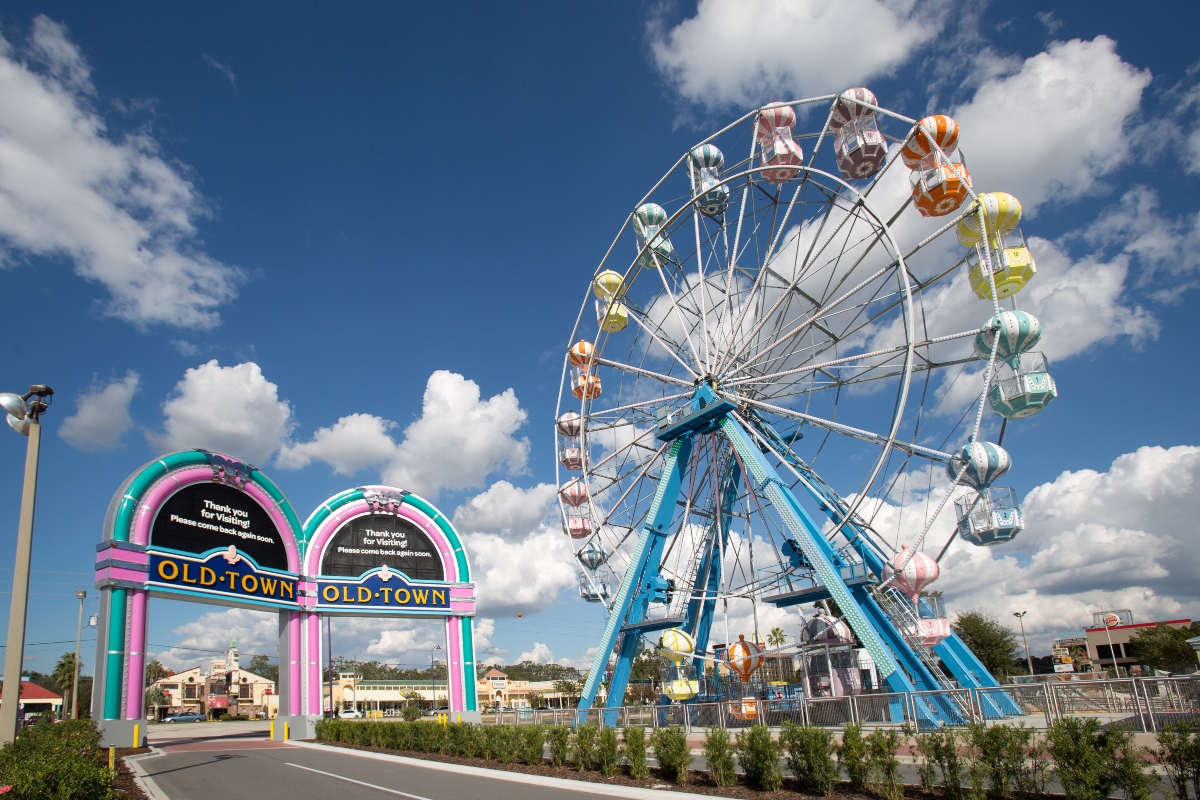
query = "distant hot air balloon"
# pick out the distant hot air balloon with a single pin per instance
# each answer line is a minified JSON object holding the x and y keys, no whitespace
{"x":519,"y":614}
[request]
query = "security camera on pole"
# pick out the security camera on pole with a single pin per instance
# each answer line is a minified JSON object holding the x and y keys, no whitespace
{"x":23,"y":413}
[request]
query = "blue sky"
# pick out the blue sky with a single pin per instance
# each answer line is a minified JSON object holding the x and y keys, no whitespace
{"x":388,"y":215}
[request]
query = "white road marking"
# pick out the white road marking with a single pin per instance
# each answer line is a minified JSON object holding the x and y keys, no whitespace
{"x":360,"y":783}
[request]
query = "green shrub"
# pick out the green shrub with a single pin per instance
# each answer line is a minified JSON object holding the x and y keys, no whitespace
{"x":1091,"y":763}
{"x":633,"y":750}
{"x":852,"y":756}
{"x":57,"y":762}
{"x":428,"y":737}
{"x":487,"y":745}
{"x":461,"y":739}
{"x":1179,"y":755}
{"x":559,"y":739}
{"x":533,"y":737}
{"x":411,"y":713}
{"x":939,"y":749}
{"x":672,"y":752}
{"x":758,"y":755}
{"x":883,"y":766}
{"x":583,"y":753}
{"x":718,"y":753}
{"x":1127,"y":769}
{"x":607,"y":751}
{"x":809,"y":753}
{"x":506,"y":743}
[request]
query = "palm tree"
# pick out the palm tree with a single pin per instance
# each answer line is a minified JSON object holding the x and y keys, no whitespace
{"x":63,"y":675}
{"x":776,"y":638}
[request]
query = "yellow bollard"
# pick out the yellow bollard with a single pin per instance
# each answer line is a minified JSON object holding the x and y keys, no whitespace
{"x":459,"y":719}
{"x":272,"y":730}
{"x":285,"y":731}
{"x":137,"y":740}
{"x":112,"y":758}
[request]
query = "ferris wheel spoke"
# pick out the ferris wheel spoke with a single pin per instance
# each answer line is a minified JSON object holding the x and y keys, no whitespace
{"x":801,"y":272}
{"x":850,"y":359}
{"x":638,"y":317}
{"x":847,"y":430}
{"x":813,"y":320}
{"x":604,"y":362}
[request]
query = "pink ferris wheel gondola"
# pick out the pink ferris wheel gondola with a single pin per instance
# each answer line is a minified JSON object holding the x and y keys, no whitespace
{"x":858,"y":144}
{"x":779,"y":150}
{"x":913,"y":571}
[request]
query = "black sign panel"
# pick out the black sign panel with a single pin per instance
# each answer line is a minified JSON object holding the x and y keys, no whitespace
{"x":373,"y":540}
{"x":206,"y":516}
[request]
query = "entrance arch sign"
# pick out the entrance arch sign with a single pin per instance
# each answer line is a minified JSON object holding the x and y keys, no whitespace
{"x":209,"y":528}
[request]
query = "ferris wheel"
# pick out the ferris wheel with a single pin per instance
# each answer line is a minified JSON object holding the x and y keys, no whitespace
{"x":761,"y":374}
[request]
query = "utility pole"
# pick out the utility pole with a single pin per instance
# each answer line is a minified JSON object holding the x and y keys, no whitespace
{"x":81,"y":594}
{"x":23,"y":415}
{"x":1020,"y":615}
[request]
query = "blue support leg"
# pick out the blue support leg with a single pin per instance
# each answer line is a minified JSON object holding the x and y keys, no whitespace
{"x":702,"y":613}
{"x":808,"y":537}
{"x":658,"y":522}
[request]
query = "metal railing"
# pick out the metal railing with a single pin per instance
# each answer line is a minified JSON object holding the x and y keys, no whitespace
{"x":1139,"y":704}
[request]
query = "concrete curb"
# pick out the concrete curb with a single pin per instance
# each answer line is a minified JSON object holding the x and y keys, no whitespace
{"x":516,"y":777}
{"x":143,"y":779}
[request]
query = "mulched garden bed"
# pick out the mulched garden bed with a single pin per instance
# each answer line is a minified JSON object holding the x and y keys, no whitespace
{"x":698,"y":782}
{"x":125,"y":785}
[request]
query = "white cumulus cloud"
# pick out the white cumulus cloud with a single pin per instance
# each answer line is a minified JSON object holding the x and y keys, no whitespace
{"x":235,"y":410}
{"x":458,"y":440}
{"x":1166,"y":248}
{"x":742,"y":52}
{"x":207,"y":637}
{"x":540,"y":653}
{"x":101,"y":415}
{"x":1055,"y":127}
{"x":505,"y":509}
{"x":520,"y":575}
{"x":115,"y":206}
{"x":1119,"y":538}
{"x":353,"y":443}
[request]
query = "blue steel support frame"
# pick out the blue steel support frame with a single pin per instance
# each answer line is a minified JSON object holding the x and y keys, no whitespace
{"x":968,"y":670}
{"x":633,"y":597}
{"x":818,"y":551}
{"x":700,"y":611}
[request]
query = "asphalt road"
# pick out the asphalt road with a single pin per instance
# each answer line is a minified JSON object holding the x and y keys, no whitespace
{"x":262,"y":769}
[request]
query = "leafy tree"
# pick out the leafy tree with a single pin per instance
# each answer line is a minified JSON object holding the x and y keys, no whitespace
{"x":645,"y":678}
{"x":63,"y":676}
{"x":155,"y":671}
{"x":777,"y":638}
{"x":569,"y":689}
{"x":533,"y":671}
{"x":535,"y":700}
{"x":156,"y":697}
{"x":990,"y":641}
{"x":1166,"y":648}
{"x":261,"y":665}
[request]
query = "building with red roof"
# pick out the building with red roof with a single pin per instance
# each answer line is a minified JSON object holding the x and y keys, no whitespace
{"x":36,"y":699}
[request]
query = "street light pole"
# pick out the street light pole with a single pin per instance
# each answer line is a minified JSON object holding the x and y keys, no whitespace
{"x":23,"y":418}
{"x":81,"y":594}
{"x":1020,"y":615}
{"x":432,"y":679}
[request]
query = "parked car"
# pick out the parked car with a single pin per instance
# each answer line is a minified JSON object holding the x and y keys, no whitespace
{"x":185,"y":718}
{"x":433,"y":712}
{"x":350,"y":713}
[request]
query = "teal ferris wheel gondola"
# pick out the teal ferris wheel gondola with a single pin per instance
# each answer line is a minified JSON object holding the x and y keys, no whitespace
{"x":1010,"y":332}
{"x":705,"y":164}
{"x":654,"y":247}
